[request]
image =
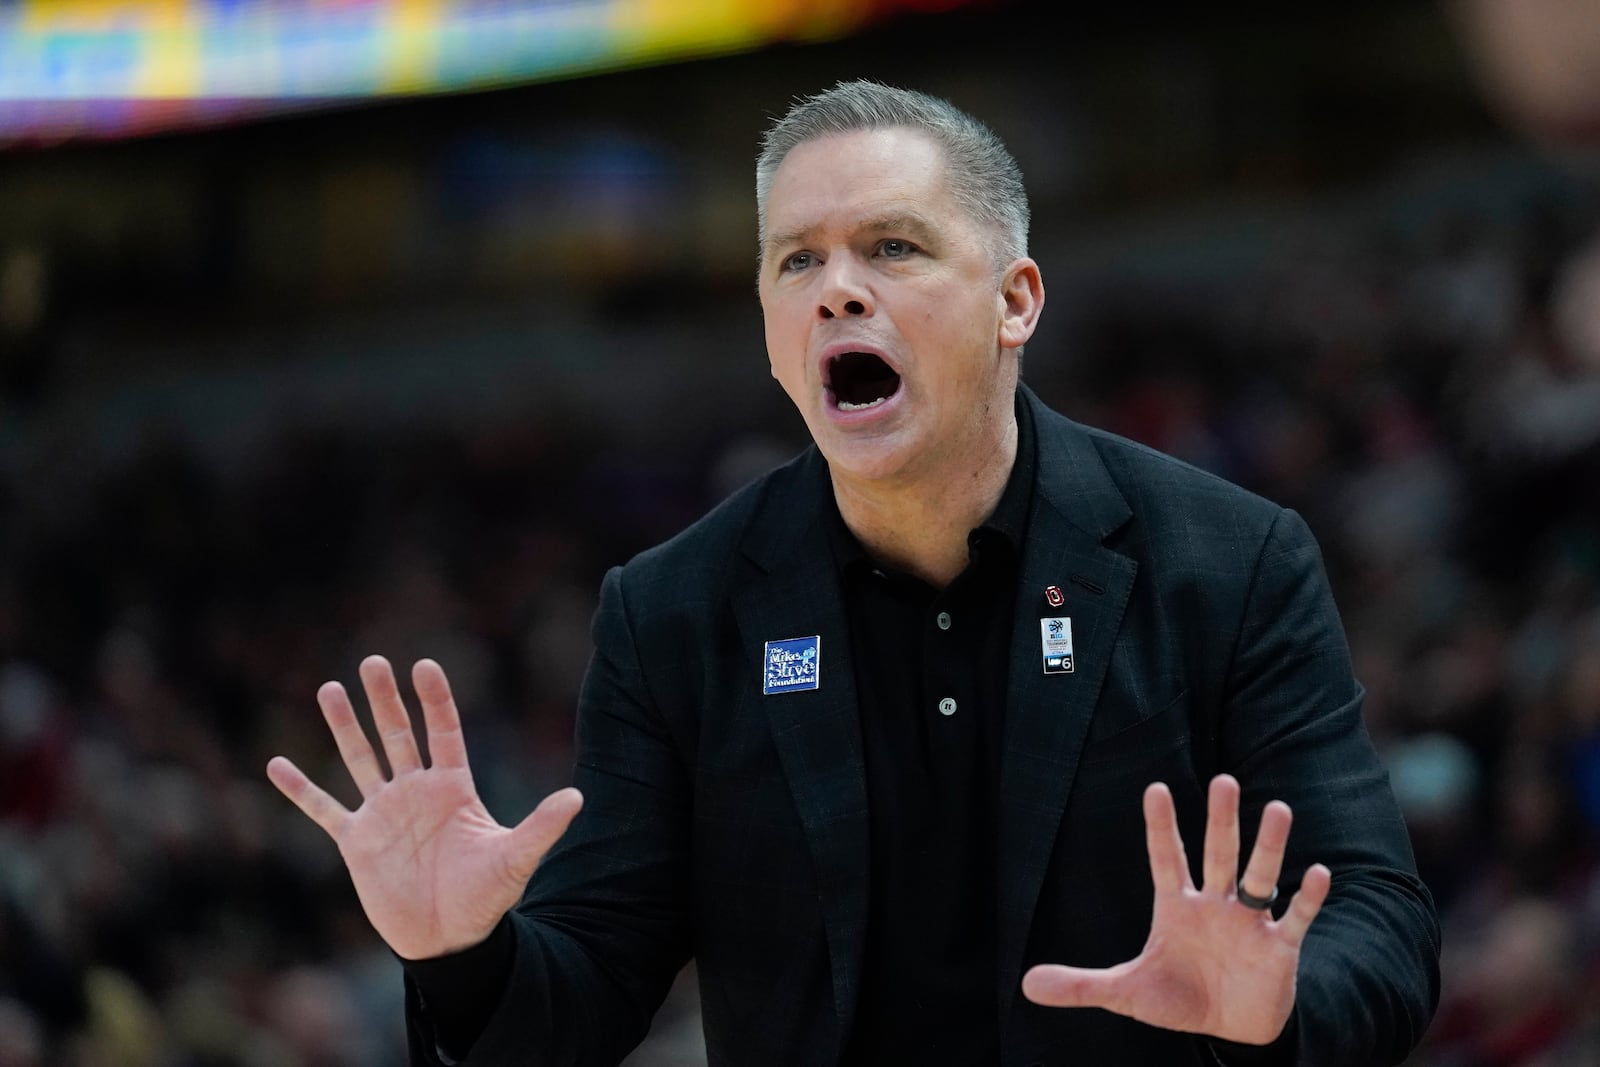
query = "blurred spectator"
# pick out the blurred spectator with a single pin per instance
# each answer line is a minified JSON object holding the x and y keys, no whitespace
{"x":1514,"y":992}
{"x":27,"y":344}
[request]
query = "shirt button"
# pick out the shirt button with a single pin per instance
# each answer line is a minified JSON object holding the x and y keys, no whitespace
{"x":947,"y":706}
{"x":943,"y":620}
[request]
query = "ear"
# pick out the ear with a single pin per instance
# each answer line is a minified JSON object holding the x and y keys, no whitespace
{"x":1021,"y":300}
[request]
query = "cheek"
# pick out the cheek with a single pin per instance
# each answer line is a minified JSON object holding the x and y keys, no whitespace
{"x":787,"y":325}
{"x":950,"y":313}
{"x":774,"y":337}
{"x":785,"y":358}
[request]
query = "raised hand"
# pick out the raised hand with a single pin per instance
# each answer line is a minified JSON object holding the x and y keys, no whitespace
{"x":433,"y":870}
{"x":1212,"y":964}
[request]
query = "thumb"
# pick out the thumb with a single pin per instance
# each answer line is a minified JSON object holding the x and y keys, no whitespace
{"x":1057,"y":986}
{"x":534,"y":835}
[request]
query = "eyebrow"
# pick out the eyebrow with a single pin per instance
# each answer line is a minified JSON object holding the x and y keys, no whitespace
{"x":906,"y":222}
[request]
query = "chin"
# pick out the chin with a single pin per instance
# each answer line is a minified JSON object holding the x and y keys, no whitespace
{"x":871,"y":461}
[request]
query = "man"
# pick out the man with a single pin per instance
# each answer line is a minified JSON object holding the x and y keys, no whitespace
{"x":821,"y":752}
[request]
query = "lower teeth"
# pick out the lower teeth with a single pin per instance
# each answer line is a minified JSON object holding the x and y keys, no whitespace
{"x":845,"y":405}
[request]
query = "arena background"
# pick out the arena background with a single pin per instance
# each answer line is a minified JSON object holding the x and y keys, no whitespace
{"x":406,"y":374}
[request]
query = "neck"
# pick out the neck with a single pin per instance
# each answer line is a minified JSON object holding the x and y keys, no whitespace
{"x":920,"y":525}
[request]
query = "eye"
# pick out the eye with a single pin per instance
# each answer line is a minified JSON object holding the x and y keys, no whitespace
{"x":895,"y":248}
{"x":797,"y":261}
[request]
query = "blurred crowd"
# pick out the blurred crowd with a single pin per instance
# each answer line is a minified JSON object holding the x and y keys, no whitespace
{"x":159,"y":903}
{"x":1430,"y":401}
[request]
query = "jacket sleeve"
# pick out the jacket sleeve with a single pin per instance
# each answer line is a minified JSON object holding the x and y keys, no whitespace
{"x":1289,"y":727}
{"x":602,"y":930}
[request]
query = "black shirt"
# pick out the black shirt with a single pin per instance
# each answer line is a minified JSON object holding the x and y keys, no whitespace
{"x":931,"y":668}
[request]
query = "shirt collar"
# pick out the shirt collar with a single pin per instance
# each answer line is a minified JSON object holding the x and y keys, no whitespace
{"x":1010,"y":517}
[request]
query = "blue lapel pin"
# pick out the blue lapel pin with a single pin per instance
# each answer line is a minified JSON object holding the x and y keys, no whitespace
{"x":792,"y":665}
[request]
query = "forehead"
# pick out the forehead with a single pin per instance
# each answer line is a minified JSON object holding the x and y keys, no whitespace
{"x":846,"y":179}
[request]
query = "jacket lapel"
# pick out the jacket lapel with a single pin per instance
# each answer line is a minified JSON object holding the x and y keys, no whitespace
{"x":1076,"y":508}
{"x":795,"y":593}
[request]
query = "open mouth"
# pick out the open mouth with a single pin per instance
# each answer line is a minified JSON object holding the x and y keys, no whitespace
{"x":860,"y":380}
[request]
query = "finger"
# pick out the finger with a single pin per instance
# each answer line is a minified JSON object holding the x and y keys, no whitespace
{"x":543,"y":827}
{"x":306,"y":795}
{"x":1222,"y":835}
{"x":1057,"y":986}
{"x":446,"y":745}
{"x":389,"y":716}
{"x":1169,"y":866}
{"x":1306,"y":904}
{"x":1266,"y":859}
{"x":357,"y":752}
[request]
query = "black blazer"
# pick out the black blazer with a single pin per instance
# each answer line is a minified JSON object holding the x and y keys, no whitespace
{"x":732,"y":827}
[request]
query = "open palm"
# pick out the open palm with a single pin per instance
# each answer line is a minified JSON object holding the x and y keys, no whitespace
{"x":433,"y":869}
{"x":1211,"y":965}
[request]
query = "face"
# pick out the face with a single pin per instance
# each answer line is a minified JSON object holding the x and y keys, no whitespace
{"x":887,"y":322}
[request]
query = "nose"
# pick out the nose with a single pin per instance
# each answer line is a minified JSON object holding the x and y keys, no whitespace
{"x":844,"y":293}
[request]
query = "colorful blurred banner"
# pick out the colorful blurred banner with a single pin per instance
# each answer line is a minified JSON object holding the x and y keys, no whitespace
{"x":73,"y":68}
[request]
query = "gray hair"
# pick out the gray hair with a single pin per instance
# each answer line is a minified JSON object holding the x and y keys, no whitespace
{"x":983,"y":176}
